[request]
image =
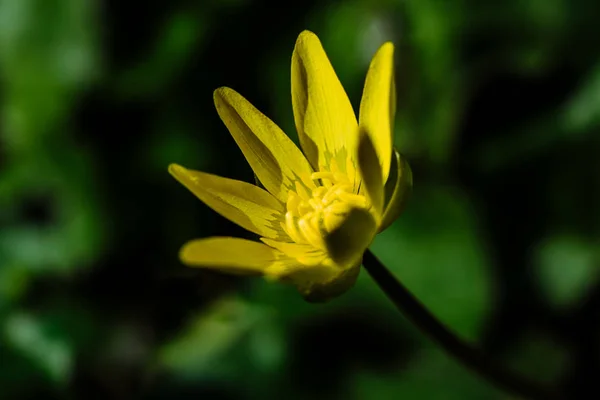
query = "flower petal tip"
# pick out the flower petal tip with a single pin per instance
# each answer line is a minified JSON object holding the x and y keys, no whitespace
{"x":307,"y":42}
{"x":184,"y":254}
{"x":220,"y":94}
{"x":222,"y":90}
{"x":176,"y":169}
{"x":385,"y":55}
{"x":306,"y":35}
{"x":188,"y":256}
{"x":387,"y":47}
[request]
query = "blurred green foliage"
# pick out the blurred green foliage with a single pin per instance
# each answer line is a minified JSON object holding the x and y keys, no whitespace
{"x":498,"y":113}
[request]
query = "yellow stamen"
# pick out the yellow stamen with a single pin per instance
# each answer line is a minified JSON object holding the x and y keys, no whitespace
{"x":311,"y":234}
{"x":301,"y":191}
{"x":320,"y":191}
{"x":291,"y":228}
{"x":314,"y":212}
{"x":354,"y":199}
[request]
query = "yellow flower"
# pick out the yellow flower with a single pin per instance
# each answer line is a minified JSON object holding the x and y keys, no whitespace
{"x":318,"y":211}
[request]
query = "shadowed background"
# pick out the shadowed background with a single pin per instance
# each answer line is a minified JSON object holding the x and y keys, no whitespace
{"x":498,"y":114}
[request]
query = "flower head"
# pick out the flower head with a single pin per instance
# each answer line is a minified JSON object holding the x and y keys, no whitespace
{"x":318,"y":210}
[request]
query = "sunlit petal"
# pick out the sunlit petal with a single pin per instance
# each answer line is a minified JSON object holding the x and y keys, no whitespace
{"x":228,"y":254}
{"x":324,"y":117}
{"x":275,"y":159}
{"x":378,"y":105}
{"x":247,"y":205}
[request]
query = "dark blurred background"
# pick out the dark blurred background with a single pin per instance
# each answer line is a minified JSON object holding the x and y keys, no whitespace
{"x":498,"y":113}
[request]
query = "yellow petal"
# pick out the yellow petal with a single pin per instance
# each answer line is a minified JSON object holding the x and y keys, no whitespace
{"x":378,"y":105}
{"x":304,"y":253}
{"x":275,"y":159}
{"x":324,"y":117}
{"x":321,"y":283}
{"x":247,"y":205}
{"x":316,"y":283}
{"x":315,"y":276}
{"x":347,"y":243}
{"x":370,"y":173}
{"x":398,"y":188}
{"x":228,"y":254}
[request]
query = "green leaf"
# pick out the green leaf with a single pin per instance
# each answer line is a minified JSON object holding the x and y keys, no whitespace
{"x":436,"y":251}
{"x":75,"y":232}
{"x":182,"y":33}
{"x":433,"y":376}
{"x":229,"y":338}
{"x":582,"y":112}
{"x":13,"y":283}
{"x":47,"y":53}
{"x":538,"y":357}
{"x":567,"y":267}
{"x":33,"y":338}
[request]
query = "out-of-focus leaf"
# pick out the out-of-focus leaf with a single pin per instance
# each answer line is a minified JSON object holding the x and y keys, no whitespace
{"x":567,"y":268}
{"x":13,"y":282}
{"x":74,"y":233}
{"x":207,"y":349}
{"x":29,"y":335}
{"x":574,"y":120}
{"x":538,"y":357}
{"x":182,"y":33}
{"x":47,"y":53}
{"x":527,"y":141}
{"x":582,"y":112}
{"x":436,"y":250}
{"x":174,"y":141}
{"x":430,"y":88}
{"x":433,"y":376}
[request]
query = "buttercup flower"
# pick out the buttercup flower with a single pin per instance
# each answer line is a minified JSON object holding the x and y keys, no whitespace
{"x":318,"y":211}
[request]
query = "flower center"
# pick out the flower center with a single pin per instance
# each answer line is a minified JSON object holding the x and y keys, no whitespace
{"x":312,"y":214}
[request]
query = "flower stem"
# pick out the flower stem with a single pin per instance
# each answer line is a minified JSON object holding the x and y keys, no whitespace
{"x":465,"y":353}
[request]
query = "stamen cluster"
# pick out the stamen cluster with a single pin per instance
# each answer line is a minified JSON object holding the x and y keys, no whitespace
{"x":314,"y":211}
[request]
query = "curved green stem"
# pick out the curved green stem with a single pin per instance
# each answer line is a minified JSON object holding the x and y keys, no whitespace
{"x":465,"y":353}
